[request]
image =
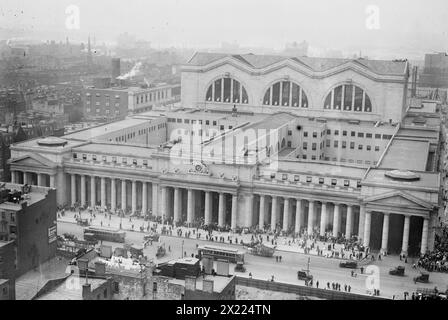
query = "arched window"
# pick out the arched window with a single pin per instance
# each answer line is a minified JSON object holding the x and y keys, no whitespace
{"x":285,"y":94}
{"x":227,"y":90}
{"x":348,"y":97}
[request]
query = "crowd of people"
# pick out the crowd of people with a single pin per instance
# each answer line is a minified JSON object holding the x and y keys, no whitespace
{"x":437,"y":260}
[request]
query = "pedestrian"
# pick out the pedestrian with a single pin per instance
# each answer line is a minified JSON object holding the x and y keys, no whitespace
{"x":349,"y":288}
{"x":317,"y":284}
{"x":362,"y":270}
{"x":250,"y":275}
{"x":280,"y":258}
{"x":328,"y":285}
{"x":276,"y":258}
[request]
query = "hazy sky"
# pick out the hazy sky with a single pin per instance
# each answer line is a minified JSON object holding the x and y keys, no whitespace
{"x":268,"y":23}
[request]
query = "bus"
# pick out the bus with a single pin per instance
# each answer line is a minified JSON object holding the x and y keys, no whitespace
{"x":215,"y":252}
{"x":104,"y":234}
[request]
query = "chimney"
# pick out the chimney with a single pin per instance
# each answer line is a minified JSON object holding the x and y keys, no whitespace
{"x":116,"y":69}
{"x":86,"y":291}
{"x":207,"y":286}
{"x":190,"y":283}
{"x":100,"y":268}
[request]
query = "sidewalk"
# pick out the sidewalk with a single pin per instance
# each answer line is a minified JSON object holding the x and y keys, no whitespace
{"x":286,"y":244}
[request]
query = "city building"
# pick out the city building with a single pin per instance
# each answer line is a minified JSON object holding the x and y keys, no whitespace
{"x":28,"y":217}
{"x":435,"y":71}
{"x":7,"y":270}
{"x":116,"y":102}
{"x":296,"y":144}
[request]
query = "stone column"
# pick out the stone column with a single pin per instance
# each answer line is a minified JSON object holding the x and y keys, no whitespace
{"x":233,"y":222}
{"x":262,"y":212}
{"x":103,"y":192}
{"x":249,"y":210}
{"x":25,"y":178}
{"x":40,"y":179}
{"x":155,"y":199}
{"x":177,"y":205}
{"x":144,"y":197}
{"x":385,"y":238}
{"x":362,"y":218}
{"x":336,"y":220}
{"x":424,"y":245}
{"x":367,"y":223}
{"x":83,"y":190}
{"x":13,"y":176}
{"x":164,"y":202}
{"x":134,"y":196}
{"x":221,"y":211}
{"x":348,"y":224}
{"x":286,"y":214}
{"x":310,"y":217}
{"x":123,"y":195}
{"x":113,"y":194}
{"x":207,"y":211}
{"x":274,"y":213}
{"x":73,"y":188}
{"x":405,"y":242}
{"x":52,"y":180}
{"x":298,"y":224}
{"x":323,"y":218}
{"x":190,"y":212}
{"x":92,"y":191}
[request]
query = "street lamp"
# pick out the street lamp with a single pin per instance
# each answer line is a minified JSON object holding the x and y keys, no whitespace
{"x":182,"y":252}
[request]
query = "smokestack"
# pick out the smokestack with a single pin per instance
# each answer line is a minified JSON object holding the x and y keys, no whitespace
{"x":116,"y":69}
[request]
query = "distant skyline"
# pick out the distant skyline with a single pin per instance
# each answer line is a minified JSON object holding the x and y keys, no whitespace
{"x":415,"y":26}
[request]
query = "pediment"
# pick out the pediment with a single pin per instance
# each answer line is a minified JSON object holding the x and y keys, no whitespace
{"x":401,"y":199}
{"x":33,"y":160}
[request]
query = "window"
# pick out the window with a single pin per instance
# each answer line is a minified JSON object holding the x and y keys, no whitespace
{"x":75,"y":156}
{"x":289,"y":133}
{"x":313,"y":157}
{"x":321,"y":180}
{"x":360,"y":134}
{"x":344,"y":144}
{"x":94,"y":157}
{"x":285,"y":94}
{"x":272,"y":175}
{"x":368,"y":135}
{"x":336,"y":144}
{"x":114,"y":159}
{"x":284,"y":176}
{"x":346,"y":183}
{"x":305,"y":133}
{"x":387,"y":136}
{"x":220,"y":91}
{"x":334,"y":182}
{"x":377,"y":148}
{"x":296,"y":177}
{"x":84,"y":156}
{"x":305,"y":145}
{"x":377,"y":136}
{"x":186,"y":120}
{"x":353,"y":134}
{"x":214,"y":123}
{"x":328,"y":143}
{"x":313,"y":146}
{"x":352,"y":145}
{"x":358,"y":184}
{"x":328,"y":131}
{"x":309,"y":179}
{"x":360,"y":147}
{"x":221,"y":127}
{"x":134,"y":162}
{"x":314,"y":134}
{"x":124,"y":160}
{"x":207,"y":122}
{"x":289,"y":144}
{"x":368,"y":148}
{"x":344,"y":133}
{"x":336,"y":132}
{"x":304,"y":156}
{"x":145,"y":162}
{"x":348,"y":97}
{"x":104,"y":158}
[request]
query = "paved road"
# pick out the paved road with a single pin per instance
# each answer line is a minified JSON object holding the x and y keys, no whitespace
{"x":323,"y":269}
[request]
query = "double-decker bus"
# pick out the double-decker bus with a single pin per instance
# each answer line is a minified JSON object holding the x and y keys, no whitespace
{"x":215,"y":252}
{"x":105,"y":234}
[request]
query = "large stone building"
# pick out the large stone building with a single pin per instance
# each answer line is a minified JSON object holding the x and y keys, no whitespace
{"x":299,"y":144}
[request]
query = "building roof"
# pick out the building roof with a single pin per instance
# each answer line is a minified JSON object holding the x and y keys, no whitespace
{"x":406,"y":154}
{"x":95,"y":132}
{"x":68,"y":290}
{"x":384,"y":67}
{"x":219,"y":282}
{"x":117,"y":149}
{"x":430,"y":180}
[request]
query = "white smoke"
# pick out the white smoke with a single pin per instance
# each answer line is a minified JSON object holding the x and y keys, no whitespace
{"x":134,"y":71}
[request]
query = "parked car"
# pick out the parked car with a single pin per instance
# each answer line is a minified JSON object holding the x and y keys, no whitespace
{"x":348,"y":264}
{"x":304,"y":275}
{"x":423,"y":277}
{"x":240,"y":267}
{"x":398,"y":271}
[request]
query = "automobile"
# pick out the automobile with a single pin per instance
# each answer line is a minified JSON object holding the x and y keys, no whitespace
{"x":398,"y":271}
{"x":348,"y":264}
{"x":423,"y":277}
{"x":304,"y":275}
{"x":151,"y":237}
{"x":83,"y":222}
{"x":69,"y":236}
{"x":240,"y":267}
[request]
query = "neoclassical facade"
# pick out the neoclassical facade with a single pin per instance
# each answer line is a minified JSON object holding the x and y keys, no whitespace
{"x":297,"y":144}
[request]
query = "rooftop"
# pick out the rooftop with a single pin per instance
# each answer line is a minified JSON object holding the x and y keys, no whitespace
{"x":428,"y":180}
{"x":219,"y":282}
{"x":406,"y":154}
{"x":68,"y":290}
{"x":383,"y":67}
{"x":117,"y":149}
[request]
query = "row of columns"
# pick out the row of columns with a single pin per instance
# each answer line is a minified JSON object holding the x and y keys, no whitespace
{"x":25,"y":177}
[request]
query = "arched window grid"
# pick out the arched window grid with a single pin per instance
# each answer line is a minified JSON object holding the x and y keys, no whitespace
{"x":348,"y":97}
{"x":285,"y":94}
{"x":226,"y":90}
